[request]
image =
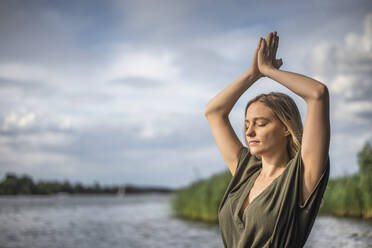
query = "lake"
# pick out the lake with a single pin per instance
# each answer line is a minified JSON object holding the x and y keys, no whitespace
{"x":132,"y":221}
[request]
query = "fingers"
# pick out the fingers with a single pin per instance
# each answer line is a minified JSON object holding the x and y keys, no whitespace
{"x":259,"y":44}
{"x":264,"y":45}
{"x":272,"y":43}
{"x":276,"y":45}
{"x":278,"y":63}
{"x":272,"y":40}
{"x":268,"y":37}
{"x":269,"y":43}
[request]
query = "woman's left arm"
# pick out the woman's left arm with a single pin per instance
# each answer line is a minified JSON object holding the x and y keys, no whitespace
{"x":316,"y":135}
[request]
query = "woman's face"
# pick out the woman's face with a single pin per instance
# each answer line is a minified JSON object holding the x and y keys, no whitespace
{"x":263,"y":127}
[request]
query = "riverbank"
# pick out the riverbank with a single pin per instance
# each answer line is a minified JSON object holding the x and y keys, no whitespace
{"x":200,"y":200}
{"x":349,"y":196}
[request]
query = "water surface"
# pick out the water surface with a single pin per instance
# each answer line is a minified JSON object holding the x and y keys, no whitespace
{"x":132,"y":221}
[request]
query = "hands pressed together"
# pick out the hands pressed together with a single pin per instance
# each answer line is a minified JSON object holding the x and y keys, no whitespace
{"x":264,"y":57}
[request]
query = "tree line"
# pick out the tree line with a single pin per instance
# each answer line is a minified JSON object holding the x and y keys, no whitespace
{"x":24,"y":185}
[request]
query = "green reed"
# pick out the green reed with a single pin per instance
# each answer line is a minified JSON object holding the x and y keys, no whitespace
{"x":201,"y":199}
{"x":344,"y":196}
{"x":349,"y":196}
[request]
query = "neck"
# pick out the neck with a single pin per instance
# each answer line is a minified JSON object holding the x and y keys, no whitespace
{"x":274,"y":164}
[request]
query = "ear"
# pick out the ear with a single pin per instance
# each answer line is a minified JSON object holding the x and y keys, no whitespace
{"x":286,"y":131}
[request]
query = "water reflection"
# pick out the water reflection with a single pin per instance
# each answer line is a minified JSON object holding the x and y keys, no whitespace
{"x":135,"y":221}
{"x":329,"y":231}
{"x":98,"y":221}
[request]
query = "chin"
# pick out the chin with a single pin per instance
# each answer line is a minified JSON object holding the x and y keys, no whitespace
{"x":256,"y":151}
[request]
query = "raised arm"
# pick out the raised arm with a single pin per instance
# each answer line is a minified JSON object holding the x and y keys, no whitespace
{"x":217,"y":112}
{"x":316,"y":135}
{"x":218,"y":109}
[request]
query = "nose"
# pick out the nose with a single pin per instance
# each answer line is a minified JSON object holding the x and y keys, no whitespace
{"x":250,"y":131}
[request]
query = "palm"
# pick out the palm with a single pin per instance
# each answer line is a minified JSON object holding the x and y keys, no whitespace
{"x":265,"y":55}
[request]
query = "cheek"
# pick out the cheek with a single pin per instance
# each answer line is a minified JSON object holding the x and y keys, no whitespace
{"x":271,"y":136}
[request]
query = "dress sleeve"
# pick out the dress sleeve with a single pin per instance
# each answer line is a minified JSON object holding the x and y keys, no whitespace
{"x":242,"y":155}
{"x":245,"y":167}
{"x":244,"y":162}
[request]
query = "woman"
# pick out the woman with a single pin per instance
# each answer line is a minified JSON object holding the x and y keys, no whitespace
{"x":279,"y":179}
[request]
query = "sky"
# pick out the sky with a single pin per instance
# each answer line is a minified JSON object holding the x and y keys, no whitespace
{"x":115,"y":91}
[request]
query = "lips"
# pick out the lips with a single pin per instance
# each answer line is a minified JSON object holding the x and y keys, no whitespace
{"x":253,"y":141}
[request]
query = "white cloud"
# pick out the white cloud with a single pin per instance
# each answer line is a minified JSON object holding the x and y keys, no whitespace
{"x":21,"y":71}
{"x":18,"y":120}
{"x":72,"y":102}
{"x":343,"y":84}
{"x":346,"y":68}
{"x":23,"y":117}
{"x":349,"y":112}
{"x":46,"y":138}
{"x":33,"y":159}
{"x":232,"y":44}
{"x":150,"y":65}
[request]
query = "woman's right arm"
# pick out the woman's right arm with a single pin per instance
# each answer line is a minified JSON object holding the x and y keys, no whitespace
{"x":217,"y":113}
{"x":218,"y":109}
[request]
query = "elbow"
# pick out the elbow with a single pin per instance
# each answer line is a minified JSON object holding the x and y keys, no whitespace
{"x":215,"y":112}
{"x":207,"y":111}
{"x":321,"y":92}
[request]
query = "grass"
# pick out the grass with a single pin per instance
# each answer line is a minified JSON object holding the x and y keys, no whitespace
{"x":200,"y":200}
{"x":344,"y":196}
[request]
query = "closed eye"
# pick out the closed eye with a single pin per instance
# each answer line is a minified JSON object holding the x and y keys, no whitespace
{"x":260,"y":125}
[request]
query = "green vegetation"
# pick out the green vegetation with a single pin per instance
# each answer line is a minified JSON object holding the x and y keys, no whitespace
{"x":200,"y":200}
{"x":352,"y":195}
{"x":344,"y":196}
{"x":13,"y":185}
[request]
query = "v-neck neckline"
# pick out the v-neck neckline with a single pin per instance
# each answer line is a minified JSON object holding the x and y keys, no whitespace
{"x":247,"y":191}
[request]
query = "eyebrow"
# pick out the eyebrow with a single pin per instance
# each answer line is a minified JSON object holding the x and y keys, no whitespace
{"x":257,"y":118}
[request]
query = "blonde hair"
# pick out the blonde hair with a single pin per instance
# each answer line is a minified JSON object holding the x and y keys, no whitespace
{"x":286,"y":111}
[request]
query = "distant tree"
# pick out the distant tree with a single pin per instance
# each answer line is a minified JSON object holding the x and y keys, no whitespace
{"x":13,"y":185}
{"x":79,"y":188}
{"x":26,"y":186}
{"x":9,"y":186}
{"x":11,"y":176}
{"x":67,"y":187}
{"x":97,"y":187}
{"x":43,"y":188}
{"x":365,"y":159}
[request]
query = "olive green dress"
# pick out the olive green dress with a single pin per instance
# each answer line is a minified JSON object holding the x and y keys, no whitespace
{"x":275,"y":218}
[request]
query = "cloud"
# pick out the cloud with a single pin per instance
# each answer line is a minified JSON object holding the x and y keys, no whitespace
{"x":19,"y":121}
{"x":137,"y":82}
{"x":117,"y":153}
{"x":346,"y":68}
{"x":115,"y":91}
{"x":145,"y":64}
